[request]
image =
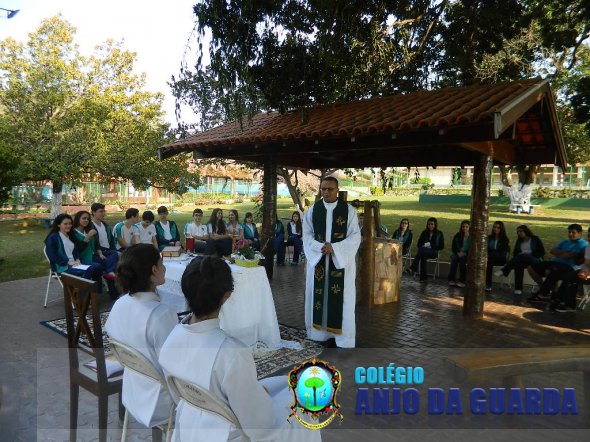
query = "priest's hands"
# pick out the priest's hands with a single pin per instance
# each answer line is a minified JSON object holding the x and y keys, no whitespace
{"x":327,"y":249}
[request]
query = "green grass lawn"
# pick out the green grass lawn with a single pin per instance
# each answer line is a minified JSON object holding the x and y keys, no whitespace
{"x":21,"y":248}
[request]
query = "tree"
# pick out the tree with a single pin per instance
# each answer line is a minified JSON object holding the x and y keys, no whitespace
{"x":68,"y":116}
{"x":540,"y":38}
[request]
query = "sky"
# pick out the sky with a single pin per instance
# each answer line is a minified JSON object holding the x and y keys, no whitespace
{"x":158,"y":31}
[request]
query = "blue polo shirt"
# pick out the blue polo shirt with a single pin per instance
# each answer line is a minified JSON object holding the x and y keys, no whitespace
{"x":568,"y":245}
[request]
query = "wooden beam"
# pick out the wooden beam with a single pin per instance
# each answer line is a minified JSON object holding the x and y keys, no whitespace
{"x":513,"y":110}
{"x":477,"y":257}
{"x":269,"y":210}
{"x":500,"y":150}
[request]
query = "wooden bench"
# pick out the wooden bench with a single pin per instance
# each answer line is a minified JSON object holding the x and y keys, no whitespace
{"x":511,"y":364}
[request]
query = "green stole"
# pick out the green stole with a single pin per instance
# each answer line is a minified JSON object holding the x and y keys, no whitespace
{"x":335,"y":276}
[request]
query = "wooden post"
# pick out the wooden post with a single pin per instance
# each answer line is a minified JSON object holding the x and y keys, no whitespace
{"x":368,"y":255}
{"x":376,"y":208}
{"x":343,"y":195}
{"x":473,"y":303}
{"x":269,"y":202}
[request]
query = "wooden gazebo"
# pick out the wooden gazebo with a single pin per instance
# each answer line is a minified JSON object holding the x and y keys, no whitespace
{"x":513,"y":123}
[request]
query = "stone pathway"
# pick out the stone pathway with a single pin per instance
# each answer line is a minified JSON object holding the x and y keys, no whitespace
{"x":426,"y":325}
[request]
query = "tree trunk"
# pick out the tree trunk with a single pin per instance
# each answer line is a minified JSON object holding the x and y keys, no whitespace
{"x":292,"y":187}
{"x":269,"y":204}
{"x":56,"y":199}
{"x":519,"y":194}
{"x":473,"y":303}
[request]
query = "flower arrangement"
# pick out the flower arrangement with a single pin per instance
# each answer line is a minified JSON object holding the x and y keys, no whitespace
{"x":244,"y":255}
{"x":244,"y":248}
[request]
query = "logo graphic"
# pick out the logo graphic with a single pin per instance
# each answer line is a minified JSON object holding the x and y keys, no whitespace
{"x":314,"y":385}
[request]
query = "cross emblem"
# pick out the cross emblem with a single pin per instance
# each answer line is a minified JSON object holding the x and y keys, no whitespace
{"x":336,"y":289}
{"x":340,"y":221}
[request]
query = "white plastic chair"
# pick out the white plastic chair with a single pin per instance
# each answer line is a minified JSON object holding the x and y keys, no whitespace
{"x":131,"y":359}
{"x":202,"y":399}
{"x":52,"y":275}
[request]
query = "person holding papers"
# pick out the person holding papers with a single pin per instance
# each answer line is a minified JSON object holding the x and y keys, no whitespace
{"x":139,"y":320}
{"x":87,"y":236}
{"x":63,"y":250}
{"x":126,"y":232}
{"x":200,"y":352}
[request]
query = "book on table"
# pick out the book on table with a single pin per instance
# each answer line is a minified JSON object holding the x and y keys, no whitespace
{"x":171,"y":251}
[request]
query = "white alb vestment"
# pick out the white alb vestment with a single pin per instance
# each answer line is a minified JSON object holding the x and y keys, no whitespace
{"x":344,"y":257}
{"x":203,"y":354}
{"x":143,"y":323}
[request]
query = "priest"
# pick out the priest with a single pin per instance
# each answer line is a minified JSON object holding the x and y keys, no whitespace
{"x":331,"y":238}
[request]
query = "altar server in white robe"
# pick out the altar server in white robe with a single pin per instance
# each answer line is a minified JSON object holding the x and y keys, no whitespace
{"x":331,"y":238}
{"x":140,"y":321}
{"x":198,"y":351}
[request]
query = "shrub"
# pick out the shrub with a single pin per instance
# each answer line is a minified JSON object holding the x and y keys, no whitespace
{"x":376,"y":190}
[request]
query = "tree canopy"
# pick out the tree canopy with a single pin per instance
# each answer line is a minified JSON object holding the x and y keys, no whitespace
{"x":66,"y":116}
{"x":279,"y":55}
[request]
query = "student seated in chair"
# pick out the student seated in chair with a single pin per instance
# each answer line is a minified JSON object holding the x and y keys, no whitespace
{"x":565,"y":253}
{"x":63,"y":250}
{"x":126,"y":232}
{"x":200,"y":352}
{"x":167,"y":230}
{"x":565,"y":300}
{"x":430,"y":242}
{"x":404,"y":235}
{"x":139,"y":320}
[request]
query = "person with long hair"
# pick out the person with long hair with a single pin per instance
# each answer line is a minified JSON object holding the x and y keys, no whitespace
{"x":86,"y":234}
{"x":528,"y":250}
{"x":139,"y":320}
{"x":430,"y":242}
{"x":294,"y":236}
{"x":234,"y":228}
{"x":404,"y":235}
{"x":200,"y":352}
{"x":498,"y":250}
{"x":250,"y":231}
{"x":222,"y":240}
{"x":63,"y":250}
{"x":459,"y":249}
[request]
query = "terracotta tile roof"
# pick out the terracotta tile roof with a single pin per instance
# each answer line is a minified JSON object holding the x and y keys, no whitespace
{"x":441,"y":109}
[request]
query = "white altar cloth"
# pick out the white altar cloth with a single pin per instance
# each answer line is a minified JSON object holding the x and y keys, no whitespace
{"x":249,"y":314}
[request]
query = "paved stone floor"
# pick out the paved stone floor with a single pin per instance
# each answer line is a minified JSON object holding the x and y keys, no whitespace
{"x":424,"y":326}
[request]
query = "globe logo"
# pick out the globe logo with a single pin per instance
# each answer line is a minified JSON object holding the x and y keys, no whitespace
{"x":314,"y":385}
{"x":314,"y":389}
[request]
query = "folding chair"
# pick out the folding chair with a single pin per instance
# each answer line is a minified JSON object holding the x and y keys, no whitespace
{"x":202,"y":399}
{"x":407,"y":258}
{"x":131,"y":359}
{"x":436,"y":266}
{"x":52,"y":275}
{"x":506,"y":280}
{"x":80,"y":294}
{"x":586,"y":298}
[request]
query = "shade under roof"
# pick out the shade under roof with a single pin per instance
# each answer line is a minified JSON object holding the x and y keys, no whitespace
{"x":514,"y":122}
